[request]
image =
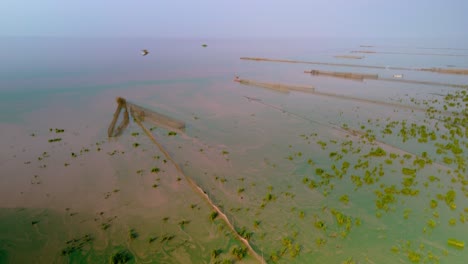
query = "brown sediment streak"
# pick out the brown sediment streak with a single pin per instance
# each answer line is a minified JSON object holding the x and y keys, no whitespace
{"x":436,"y":70}
{"x":361,"y":76}
{"x":409,"y":53}
{"x":200,"y":191}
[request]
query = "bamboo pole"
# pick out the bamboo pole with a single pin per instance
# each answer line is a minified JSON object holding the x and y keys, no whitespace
{"x":312,"y":62}
{"x":436,"y":70}
{"x":121,"y":104}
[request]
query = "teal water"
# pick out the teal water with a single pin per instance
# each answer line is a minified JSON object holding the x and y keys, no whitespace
{"x":283,"y":168}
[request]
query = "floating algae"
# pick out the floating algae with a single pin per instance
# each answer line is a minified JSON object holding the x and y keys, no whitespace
{"x":456,"y":243}
{"x":437,"y":70}
{"x":382,"y":147}
{"x":140,"y":114}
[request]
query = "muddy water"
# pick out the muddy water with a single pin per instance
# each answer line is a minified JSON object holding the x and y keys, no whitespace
{"x":85,"y":198}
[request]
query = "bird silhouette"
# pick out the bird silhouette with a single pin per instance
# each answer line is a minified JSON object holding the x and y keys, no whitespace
{"x":144,"y":52}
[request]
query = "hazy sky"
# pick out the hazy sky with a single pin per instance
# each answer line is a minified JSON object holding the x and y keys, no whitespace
{"x":234,"y":18}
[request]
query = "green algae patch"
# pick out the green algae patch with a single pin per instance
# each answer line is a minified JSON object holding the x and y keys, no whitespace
{"x":344,"y":199}
{"x":379,"y":152}
{"x":408,"y":171}
{"x":121,"y":257}
{"x":239,"y":252}
{"x":456,"y":243}
{"x":77,"y":245}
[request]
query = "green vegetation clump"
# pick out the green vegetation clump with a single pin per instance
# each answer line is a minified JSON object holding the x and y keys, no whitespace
{"x":414,"y":256}
{"x":183,"y":223}
{"x":244,"y":233}
{"x":456,"y":243}
{"x":216,"y":252}
{"x":133,"y":234}
{"x":320,"y":241}
{"x":76,"y":245}
{"x":239,"y":252}
{"x":167,"y":238}
{"x":121,"y":257}
{"x":344,"y":199}
{"x":408,"y":171}
{"x":379,"y":152}
{"x":320,"y":225}
{"x":213,"y":215}
{"x":450,"y":199}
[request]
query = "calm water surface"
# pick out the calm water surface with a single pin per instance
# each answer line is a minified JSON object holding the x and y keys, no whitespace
{"x":283,"y":168}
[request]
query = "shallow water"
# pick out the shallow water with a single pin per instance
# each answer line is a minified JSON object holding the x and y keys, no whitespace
{"x":260,"y":161}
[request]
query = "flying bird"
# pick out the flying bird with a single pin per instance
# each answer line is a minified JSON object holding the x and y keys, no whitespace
{"x":144,"y":52}
{"x":204,"y":45}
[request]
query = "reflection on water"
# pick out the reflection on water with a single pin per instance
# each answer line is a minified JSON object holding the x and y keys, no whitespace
{"x":307,"y":179}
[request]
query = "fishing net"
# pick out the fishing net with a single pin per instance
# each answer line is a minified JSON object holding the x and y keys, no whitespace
{"x":141,"y":114}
